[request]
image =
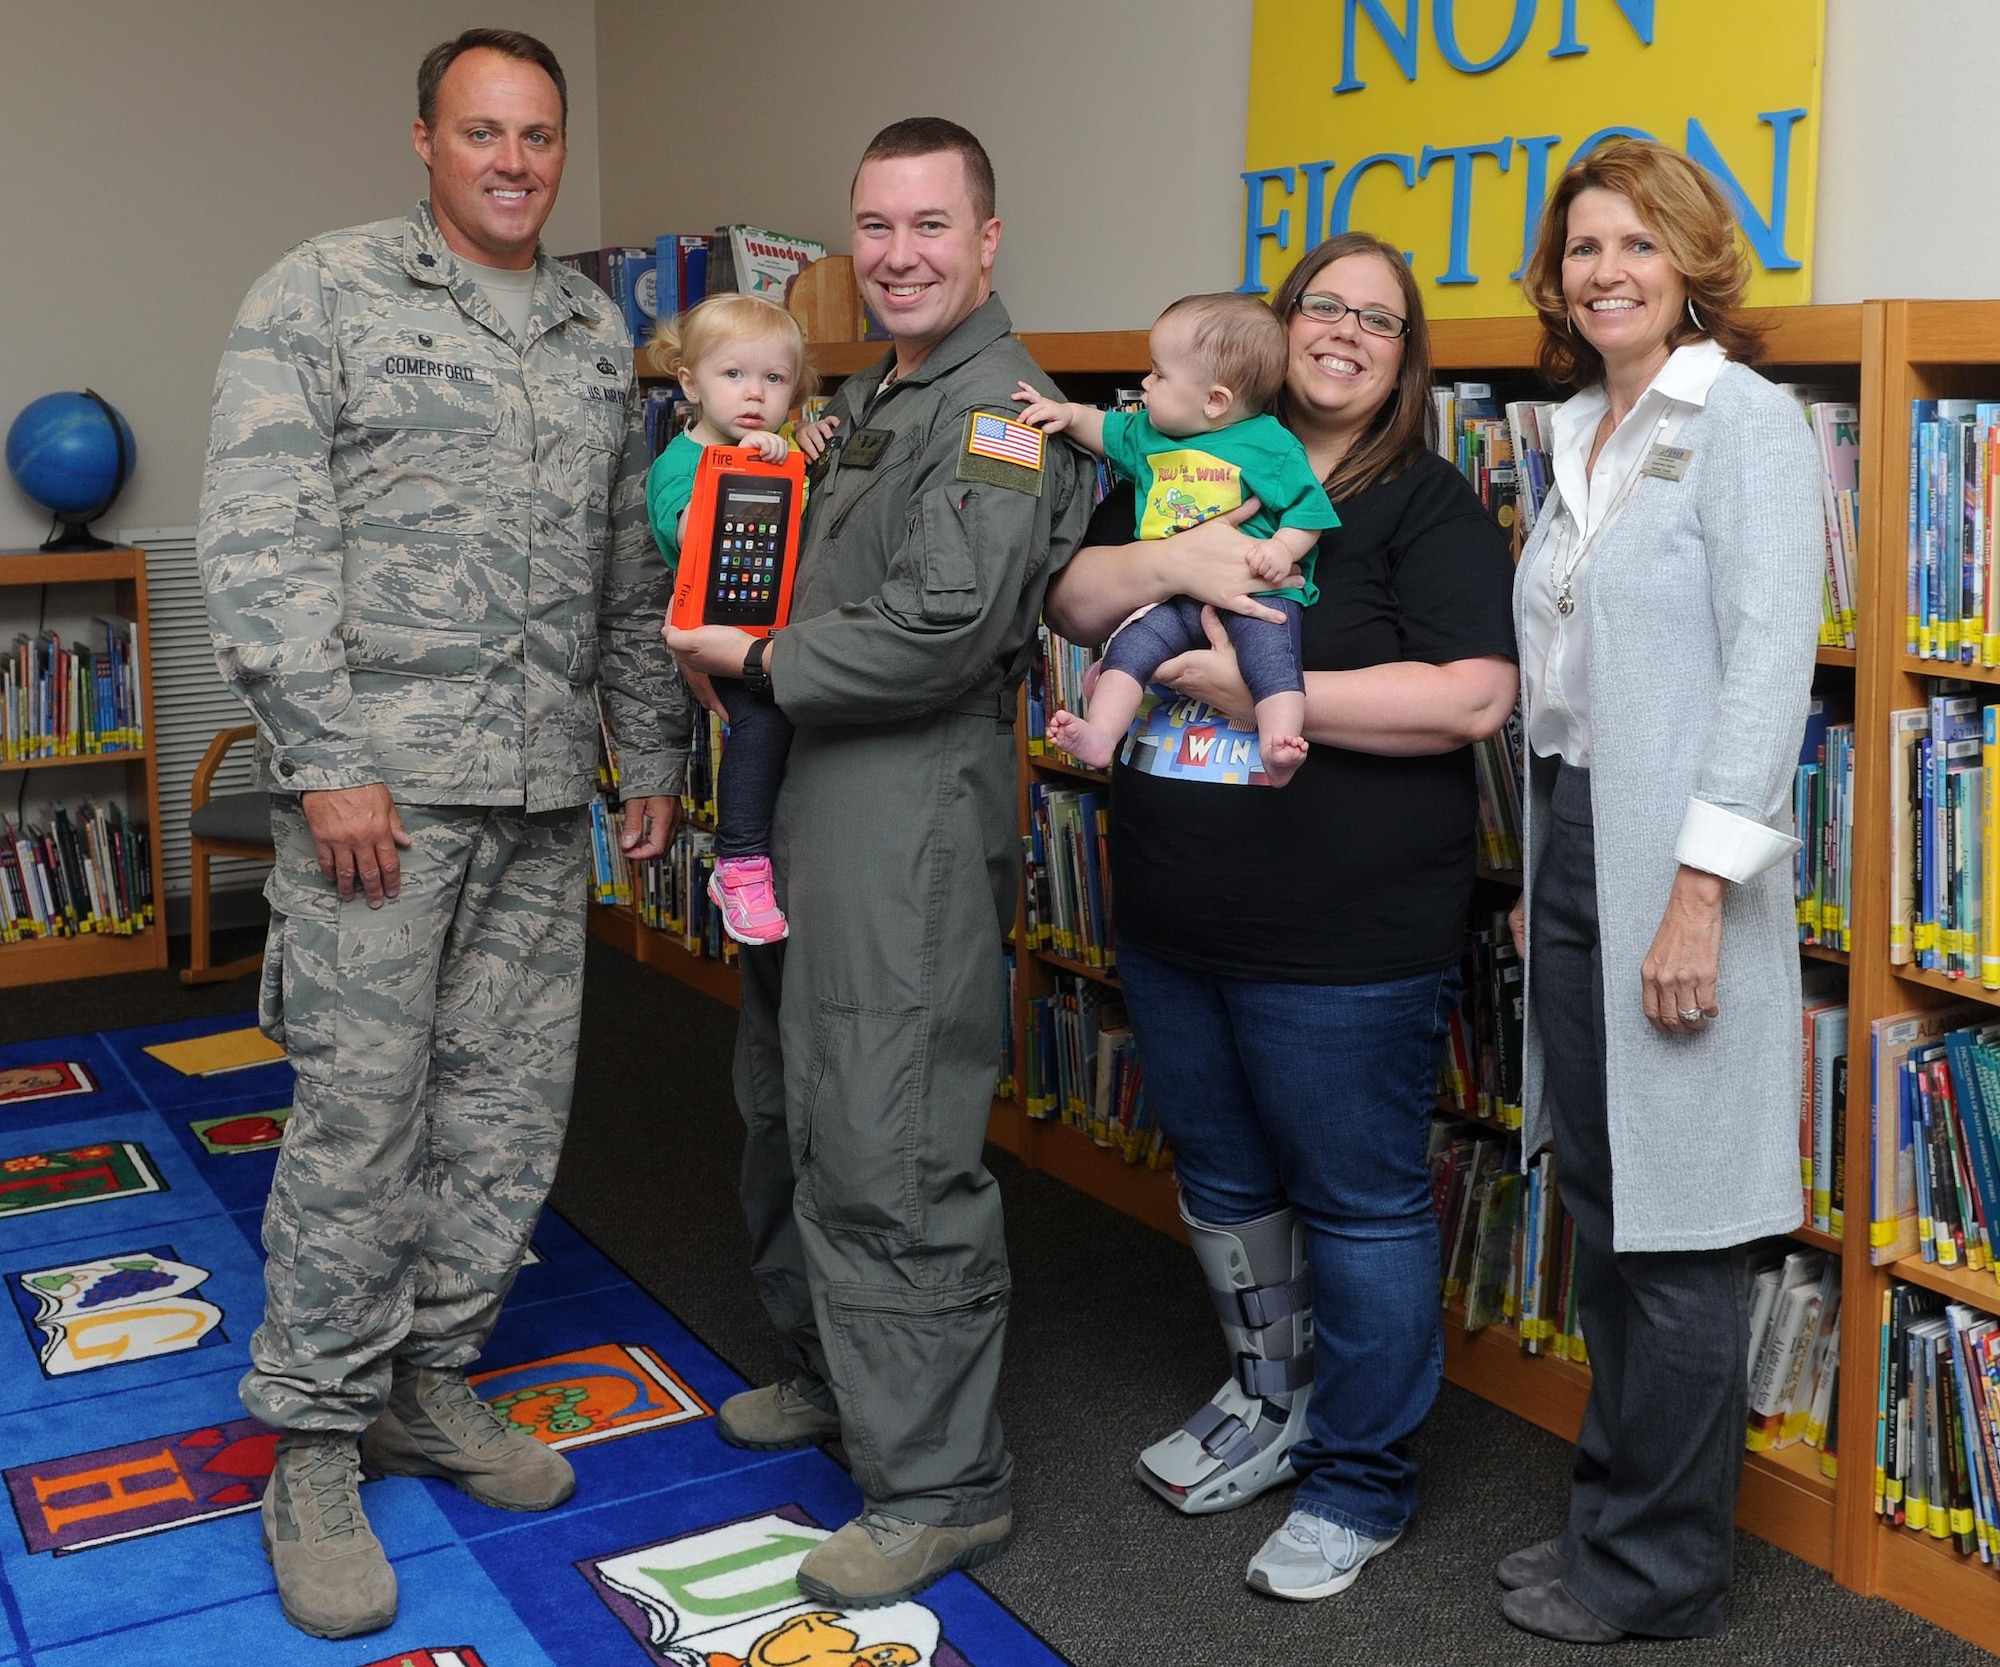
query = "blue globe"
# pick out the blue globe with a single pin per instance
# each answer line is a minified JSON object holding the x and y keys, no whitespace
{"x":64,"y":452}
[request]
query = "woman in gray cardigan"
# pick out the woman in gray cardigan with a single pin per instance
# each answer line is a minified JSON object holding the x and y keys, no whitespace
{"x":1667,"y":607}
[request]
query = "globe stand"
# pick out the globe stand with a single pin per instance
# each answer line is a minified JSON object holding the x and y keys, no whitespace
{"x":75,"y":535}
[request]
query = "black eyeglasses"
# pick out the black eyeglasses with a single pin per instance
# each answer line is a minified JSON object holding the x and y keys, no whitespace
{"x":1330,"y":309}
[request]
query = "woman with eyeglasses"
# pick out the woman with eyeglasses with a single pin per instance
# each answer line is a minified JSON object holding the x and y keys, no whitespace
{"x":1668,"y":609}
{"x":1290,"y":959}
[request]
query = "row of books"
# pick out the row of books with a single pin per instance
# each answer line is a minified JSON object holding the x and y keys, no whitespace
{"x":1068,"y":879}
{"x":1823,"y":811}
{"x":1506,"y":1245}
{"x":1836,"y":426}
{"x":1008,"y":1085}
{"x":1500,"y":763}
{"x":1794,"y":1358}
{"x":1941,"y":1092}
{"x":1055,"y":684}
{"x":78,"y":873}
{"x":1952,"y":601}
{"x":1479,"y":1075}
{"x":1937,"y":1421}
{"x":1944,"y":837}
{"x":1081,"y":1068}
{"x":72,"y":700}
{"x":682,"y":268}
{"x":1503,"y":451}
{"x":1823,"y":1098}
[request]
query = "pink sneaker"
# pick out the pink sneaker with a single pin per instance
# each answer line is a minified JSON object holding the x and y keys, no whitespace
{"x":741,"y":888}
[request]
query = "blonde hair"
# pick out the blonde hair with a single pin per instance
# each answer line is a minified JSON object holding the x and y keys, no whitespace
{"x":1682,"y":207}
{"x":680,"y":344}
{"x":1239,"y":342}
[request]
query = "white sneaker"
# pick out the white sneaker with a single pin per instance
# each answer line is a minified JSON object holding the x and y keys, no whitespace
{"x":1311,"y":1558}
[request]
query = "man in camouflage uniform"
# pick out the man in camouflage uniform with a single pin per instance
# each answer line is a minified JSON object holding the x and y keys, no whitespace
{"x":866,"y":1057}
{"x":424,"y":544}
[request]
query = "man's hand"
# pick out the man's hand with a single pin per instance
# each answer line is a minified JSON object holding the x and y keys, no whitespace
{"x":814,"y":436}
{"x":1051,"y":416}
{"x":649,"y":824}
{"x":771,"y":448}
{"x":357,"y":833}
{"x":714,"y":650}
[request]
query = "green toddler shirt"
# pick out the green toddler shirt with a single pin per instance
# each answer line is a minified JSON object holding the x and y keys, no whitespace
{"x":1184,"y":482}
{"x":669,"y":485}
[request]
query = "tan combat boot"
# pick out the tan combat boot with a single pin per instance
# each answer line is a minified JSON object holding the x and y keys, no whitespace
{"x":878,"y":1558}
{"x":333,"y":1579}
{"x":434,"y":1425}
{"x":775,"y":1419}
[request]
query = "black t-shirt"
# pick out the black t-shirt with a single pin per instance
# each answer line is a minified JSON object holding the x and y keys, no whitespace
{"x":1360,"y":869}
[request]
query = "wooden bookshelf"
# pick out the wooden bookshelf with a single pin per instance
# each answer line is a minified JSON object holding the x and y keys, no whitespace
{"x":131,"y":777}
{"x":1888,"y":353}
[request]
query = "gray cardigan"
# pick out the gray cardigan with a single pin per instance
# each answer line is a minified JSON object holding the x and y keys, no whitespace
{"x":1703,"y":605}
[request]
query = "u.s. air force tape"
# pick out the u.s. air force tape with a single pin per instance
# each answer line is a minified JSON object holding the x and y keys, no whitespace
{"x":1002,"y":452}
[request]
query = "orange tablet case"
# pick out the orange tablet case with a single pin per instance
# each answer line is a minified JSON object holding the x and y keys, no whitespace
{"x":740,"y":547}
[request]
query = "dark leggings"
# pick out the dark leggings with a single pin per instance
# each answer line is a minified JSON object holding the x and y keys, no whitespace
{"x":753,"y":768}
{"x":1268,"y":653}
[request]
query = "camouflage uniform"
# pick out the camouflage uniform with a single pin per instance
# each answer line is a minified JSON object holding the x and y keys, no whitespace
{"x":869,"y":1041}
{"x":424,"y":540}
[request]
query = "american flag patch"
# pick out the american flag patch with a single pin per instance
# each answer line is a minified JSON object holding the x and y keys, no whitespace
{"x":1005,"y":442}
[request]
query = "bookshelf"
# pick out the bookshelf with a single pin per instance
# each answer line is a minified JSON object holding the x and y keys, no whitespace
{"x":1887,"y":353}
{"x":130,"y":777}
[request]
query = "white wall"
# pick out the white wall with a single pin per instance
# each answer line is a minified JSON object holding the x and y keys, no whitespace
{"x":162,"y":153}
{"x":1117,"y":129}
{"x":1906,"y":202}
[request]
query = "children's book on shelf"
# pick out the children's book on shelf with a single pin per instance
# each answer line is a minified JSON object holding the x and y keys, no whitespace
{"x":1498,"y":764}
{"x":67,"y":874}
{"x":680,"y":267}
{"x":1952,"y":612}
{"x":1068,"y":880}
{"x":753,"y":261}
{"x":1935,"y":1146}
{"x":71,"y":700}
{"x":1823,"y":810}
{"x":1937,"y":1459}
{"x":1944,"y":835}
{"x":1506,"y":1245}
{"x":1823,"y":1042}
{"x":1081,"y":1068}
{"x":1479,"y":1075}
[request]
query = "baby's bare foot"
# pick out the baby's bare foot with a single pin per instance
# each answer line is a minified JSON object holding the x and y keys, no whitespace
{"x":1283,"y":754}
{"x":1075,"y":737}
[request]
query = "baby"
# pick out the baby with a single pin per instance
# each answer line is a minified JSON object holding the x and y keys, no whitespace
{"x":1201,"y":448}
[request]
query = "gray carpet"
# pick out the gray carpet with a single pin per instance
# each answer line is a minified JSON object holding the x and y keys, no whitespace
{"x":1112,"y":1342}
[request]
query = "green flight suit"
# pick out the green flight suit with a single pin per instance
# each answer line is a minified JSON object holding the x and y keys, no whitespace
{"x":869,"y":1043}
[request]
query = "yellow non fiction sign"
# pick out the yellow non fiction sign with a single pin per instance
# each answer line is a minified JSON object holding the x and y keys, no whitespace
{"x":1441,"y":125}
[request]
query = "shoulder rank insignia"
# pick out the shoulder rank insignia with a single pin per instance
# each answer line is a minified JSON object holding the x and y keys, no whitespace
{"x":1002,"y":452}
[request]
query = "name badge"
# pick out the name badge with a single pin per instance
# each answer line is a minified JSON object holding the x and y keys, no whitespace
{"x":865,"y":447}
{"x":1667,"y":462}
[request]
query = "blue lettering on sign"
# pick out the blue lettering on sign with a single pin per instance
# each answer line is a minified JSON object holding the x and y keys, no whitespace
{"x":1444,"y":24}
{"x":1343,"y":199}
{"x":1638,"y":13}
{"x":1766,"y":236}
{"x":1402,"y":43}
{"x":1255,"y":231}
{"x":1460,"y":156}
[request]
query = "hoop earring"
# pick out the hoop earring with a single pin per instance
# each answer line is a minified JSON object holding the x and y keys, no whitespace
{"x":1694,"y":318}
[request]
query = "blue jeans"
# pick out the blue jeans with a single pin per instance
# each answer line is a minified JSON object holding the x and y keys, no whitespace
{"x":1319,"y":1096}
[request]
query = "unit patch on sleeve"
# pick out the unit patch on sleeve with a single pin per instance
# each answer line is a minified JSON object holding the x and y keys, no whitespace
{"x":1001,"y":452}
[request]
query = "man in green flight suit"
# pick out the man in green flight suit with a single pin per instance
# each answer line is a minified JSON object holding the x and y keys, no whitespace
{"x":866,"y":1057}
{"x":424,"y":543}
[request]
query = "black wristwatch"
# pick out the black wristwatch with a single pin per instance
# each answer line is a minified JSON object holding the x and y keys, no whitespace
{"x":755,"y":677}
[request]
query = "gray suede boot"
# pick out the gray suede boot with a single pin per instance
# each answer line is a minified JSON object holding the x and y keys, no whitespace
{"x":879,"y":1558}
{"x":775,"y":1418}
{"x":434,"y":1425}
{"x":333,"y":1579}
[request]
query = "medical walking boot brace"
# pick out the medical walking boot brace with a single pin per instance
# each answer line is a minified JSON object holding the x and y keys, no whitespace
{"x":1238,"y":1445}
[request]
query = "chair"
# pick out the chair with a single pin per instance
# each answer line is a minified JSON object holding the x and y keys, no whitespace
{"x":220,"y":825}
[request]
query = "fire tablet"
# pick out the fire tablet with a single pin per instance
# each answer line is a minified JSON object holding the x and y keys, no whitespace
{"x":741,"y":542}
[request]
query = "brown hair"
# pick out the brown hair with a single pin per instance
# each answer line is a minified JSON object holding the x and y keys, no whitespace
{"x":1686,"y":210}
{"x":926,"y":136}
{"x":1239,"y":343}
{"x":511,"y":43}
{"x":1399,"y":434}
{"x":682,"y":343}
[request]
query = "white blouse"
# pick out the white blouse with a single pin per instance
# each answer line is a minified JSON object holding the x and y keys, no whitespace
{"x":1555,"y":646}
